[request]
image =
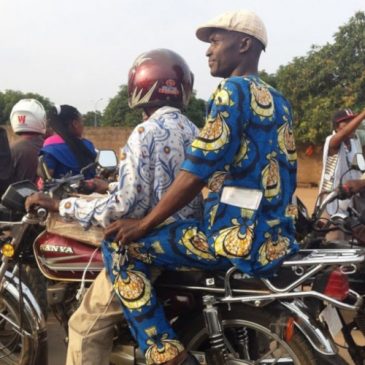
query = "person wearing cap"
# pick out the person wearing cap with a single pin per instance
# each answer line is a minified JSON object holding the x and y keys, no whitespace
{"x":338,"y":152}
{"x":5,"y":161}
{"x":246,"y":156}
{"x":28,"y":121}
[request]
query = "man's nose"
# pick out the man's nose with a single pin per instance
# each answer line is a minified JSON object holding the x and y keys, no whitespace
{"x":208,"y":52}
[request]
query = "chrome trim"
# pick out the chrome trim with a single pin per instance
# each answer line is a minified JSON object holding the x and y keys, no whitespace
{"x":272,"y":296}
{"x":316,"y":337}
{"x":31,"y":308}
{"x":326,"y":256}
{"x":212,"y":290}
{"x":49,"y":263}
{"x":31,"y":305}
{"x":41,"y":267}
{"x":258,"y":296}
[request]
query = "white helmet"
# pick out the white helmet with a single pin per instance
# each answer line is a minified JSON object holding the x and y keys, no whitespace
{"x":28,"y":115}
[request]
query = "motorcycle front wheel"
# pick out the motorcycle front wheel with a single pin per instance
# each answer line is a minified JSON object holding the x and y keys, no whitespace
{"x":253,"y":335}
{"x":16,"y":339}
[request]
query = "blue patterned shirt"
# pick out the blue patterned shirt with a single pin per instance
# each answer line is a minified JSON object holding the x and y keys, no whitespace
{"x":246,"y":153}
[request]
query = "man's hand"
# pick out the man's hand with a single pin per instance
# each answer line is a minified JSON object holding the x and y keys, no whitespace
{"x":127,"y":230}
{"x":354,"y":186}
{"x":100,"y":185}
{"x":42,"y":200}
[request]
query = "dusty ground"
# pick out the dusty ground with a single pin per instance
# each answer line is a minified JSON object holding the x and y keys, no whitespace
{"x":308,"y":197}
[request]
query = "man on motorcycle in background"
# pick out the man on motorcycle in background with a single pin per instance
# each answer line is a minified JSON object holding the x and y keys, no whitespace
{"x":5,"y":161}
{"x":28,"y":121}
{"x":246,"y":156}
{"x":338,"y":152}
{"x":160,"y":83}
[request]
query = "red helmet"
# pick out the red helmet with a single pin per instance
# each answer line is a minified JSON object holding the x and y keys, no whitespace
{"x":159,"y":77}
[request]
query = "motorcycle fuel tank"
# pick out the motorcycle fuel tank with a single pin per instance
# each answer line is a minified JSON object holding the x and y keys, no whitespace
{"x":64,"y":259}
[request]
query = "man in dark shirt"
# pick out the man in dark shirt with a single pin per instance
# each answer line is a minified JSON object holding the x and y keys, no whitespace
{"x":28,"y":120}
{"x":5,"y":161}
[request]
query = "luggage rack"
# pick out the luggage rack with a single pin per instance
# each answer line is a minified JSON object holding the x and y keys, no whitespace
{"x":317,"y":260}
{"x":326,"y":256}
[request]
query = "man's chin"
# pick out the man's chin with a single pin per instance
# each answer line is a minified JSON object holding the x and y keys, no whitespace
{"x":214,"y":72}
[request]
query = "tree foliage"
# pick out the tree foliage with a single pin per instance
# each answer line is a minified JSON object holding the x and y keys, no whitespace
{"x":196,"y":109}
{"x":10,"y":97}
{"x":118,"y":113}
{"x":326,"y":79}
{"x":92,"y":119}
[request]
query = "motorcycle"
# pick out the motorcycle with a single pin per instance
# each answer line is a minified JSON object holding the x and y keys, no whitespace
{"x":222,"y":318}
{"x":312,"y":232}
{"x":105,"y":168}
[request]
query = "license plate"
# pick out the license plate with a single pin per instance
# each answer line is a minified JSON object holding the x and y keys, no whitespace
{"x":331,"y":317}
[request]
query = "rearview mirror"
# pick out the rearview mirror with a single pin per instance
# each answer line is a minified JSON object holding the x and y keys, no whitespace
{"x":107,"y":159}
{"x":16,"y":193}
{"x":358,"y":162}
{"x":42,"y":169}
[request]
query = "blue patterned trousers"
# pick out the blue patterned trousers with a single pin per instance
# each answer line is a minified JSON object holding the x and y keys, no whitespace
{"x":178,"y":246}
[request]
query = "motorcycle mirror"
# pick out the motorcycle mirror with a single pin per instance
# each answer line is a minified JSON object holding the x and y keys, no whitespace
{"x":42,"y":169}
{"x":16,"y":193}
{"x":358,"y":162}
{"x":89,"y":166}
{"x":107,"y":159}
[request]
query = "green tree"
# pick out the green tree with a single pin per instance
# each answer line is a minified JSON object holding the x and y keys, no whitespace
{"x":10,"y":97}
{"x":118,"y":113}
{"x":326,"y":79}
{"x":92,"y":118}
{"x":268,"y":78}
{"x":196,"y":109}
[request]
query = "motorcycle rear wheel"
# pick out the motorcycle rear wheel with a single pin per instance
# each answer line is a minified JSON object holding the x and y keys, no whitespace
{"x":15,"y":347}
{"x":265,"y":345}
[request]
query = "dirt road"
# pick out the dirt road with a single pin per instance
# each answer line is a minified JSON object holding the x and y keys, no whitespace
{"x":308,"y":197}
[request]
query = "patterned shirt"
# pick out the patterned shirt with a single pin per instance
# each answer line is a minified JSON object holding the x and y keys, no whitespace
{"x":246,"y":153}
{"x":149,"y":164}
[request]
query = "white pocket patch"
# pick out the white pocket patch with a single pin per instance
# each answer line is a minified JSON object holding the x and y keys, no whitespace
{"x":241,"y":197}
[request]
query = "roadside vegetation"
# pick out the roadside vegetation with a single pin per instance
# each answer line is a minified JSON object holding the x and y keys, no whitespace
{"x":327,"y":78}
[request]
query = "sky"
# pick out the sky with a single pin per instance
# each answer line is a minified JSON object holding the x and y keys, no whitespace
{"x":78,"y":52}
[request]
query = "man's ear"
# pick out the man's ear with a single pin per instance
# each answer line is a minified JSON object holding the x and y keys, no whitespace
{"x":245,"y":44}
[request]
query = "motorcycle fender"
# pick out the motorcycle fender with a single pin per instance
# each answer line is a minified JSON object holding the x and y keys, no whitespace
{"x":32,"y":311}
{"x":315,"y":335}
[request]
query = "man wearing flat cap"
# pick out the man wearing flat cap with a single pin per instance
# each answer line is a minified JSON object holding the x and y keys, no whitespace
{"x":246,"y":156}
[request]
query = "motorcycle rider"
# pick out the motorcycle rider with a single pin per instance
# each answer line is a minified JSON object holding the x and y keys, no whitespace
{"x":5,"y":161}
{"x":66,"y":150}
{"x":246,"y":156}
{"x":160,"y":83}
{"x":338,"y":152}
{"x":28,"y":121}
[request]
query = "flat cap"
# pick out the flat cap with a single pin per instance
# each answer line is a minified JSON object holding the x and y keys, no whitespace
{"x":243,"y":21}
